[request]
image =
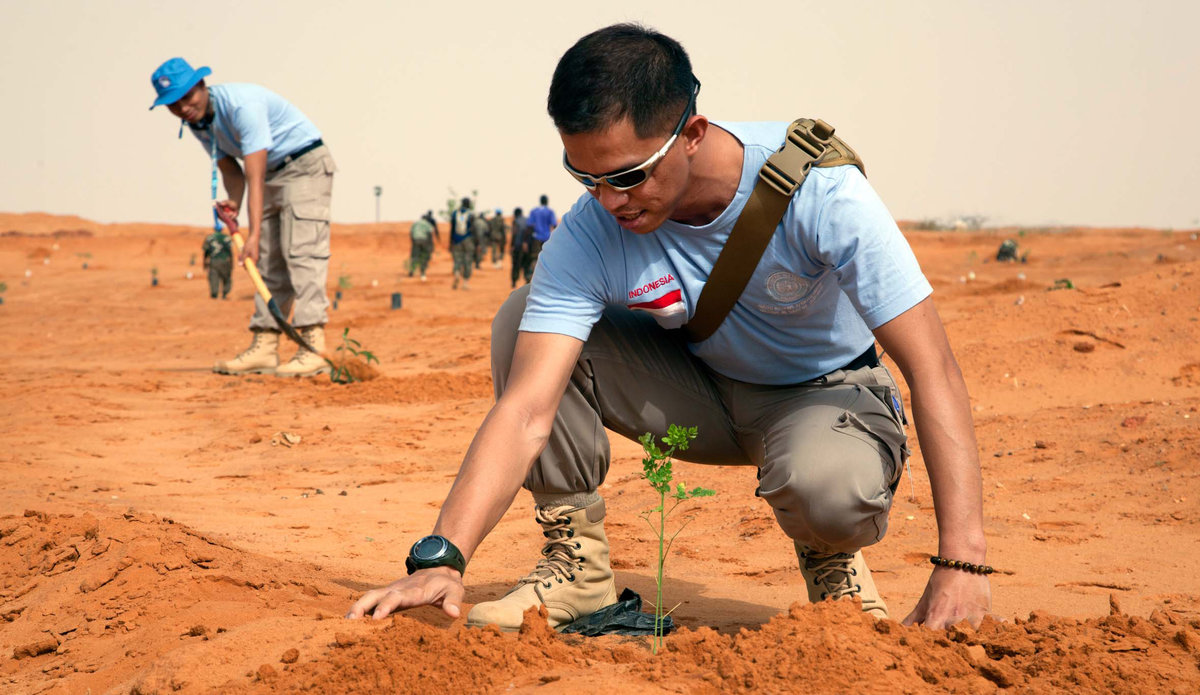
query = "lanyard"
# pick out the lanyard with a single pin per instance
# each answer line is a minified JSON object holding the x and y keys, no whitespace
{"x":212,"y":131}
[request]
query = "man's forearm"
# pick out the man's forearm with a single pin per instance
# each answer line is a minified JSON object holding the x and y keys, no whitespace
{"x":947,"y":435}
{"x":235,"y":182}
{"x":491,"y":474}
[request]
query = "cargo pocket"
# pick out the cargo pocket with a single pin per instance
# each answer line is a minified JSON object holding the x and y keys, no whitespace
{"x":877,"y":422}
{"x":308,"y":229}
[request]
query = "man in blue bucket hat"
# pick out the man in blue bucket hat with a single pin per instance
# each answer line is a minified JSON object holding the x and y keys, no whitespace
{"x":286,"y":178}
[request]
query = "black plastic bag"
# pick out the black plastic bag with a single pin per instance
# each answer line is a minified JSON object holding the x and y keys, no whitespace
{"x":625,"y":617}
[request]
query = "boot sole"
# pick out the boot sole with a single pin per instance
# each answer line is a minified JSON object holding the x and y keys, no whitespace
{"x":478,"y":625}
{"x":319,"y":372}
{"x":228,"y":372}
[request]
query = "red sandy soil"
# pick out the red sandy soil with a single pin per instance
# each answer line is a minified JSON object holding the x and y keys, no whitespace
{"x":158,"y":533}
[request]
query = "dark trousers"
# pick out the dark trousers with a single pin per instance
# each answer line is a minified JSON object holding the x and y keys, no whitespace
{"x":220,"y":277}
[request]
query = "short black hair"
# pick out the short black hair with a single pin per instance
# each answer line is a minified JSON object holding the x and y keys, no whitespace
{"x":543,"y":200}
{"x":619,"y":71}
{"x":517,"y":212}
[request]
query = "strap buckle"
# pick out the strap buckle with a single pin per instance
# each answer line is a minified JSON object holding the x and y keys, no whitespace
{"x":807,"y":141}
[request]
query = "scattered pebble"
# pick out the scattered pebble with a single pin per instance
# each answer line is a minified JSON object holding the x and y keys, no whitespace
{"x":1084,"y":346}
{"x":910,"y":517}
{"x":1020,"y":300}
{"x":290,"y":656}
{"x":1024,"y":516}
{"x":342,"y":493}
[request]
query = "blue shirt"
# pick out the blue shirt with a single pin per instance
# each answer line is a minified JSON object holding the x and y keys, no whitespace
{"x":248,"y":118}
{"x":543,"y":220}
{"x":836,"y":268}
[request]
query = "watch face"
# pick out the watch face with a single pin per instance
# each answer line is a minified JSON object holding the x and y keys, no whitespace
{"x":430,"y":548}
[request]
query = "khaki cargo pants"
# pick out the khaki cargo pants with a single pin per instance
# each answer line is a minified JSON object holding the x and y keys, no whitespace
{"x":293,"y":251}
{"x":829,"y":452}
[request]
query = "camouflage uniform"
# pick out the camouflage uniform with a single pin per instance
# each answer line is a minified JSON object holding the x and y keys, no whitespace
{"x":218,"y":260}
{"x":462,"y":244}
{"x":422,"y":246}
{"x":498,"y":232}
{"x":480,"y":232}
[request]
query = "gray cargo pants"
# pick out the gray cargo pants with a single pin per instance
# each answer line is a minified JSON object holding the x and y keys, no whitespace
{"x":293,"y":251}
{"x":829,"y":452}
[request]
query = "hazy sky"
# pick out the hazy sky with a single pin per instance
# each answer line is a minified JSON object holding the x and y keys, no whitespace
{"x":1028,"y":112}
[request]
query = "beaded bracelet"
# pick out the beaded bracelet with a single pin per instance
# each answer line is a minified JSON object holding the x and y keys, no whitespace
{"x":960,"y":565}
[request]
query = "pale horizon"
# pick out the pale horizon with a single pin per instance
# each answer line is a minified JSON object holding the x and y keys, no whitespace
{"x":1073,"y":114}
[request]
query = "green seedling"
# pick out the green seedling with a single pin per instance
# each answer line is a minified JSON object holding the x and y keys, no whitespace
{"x":342,"y":374}
{"x":656,"y":469}
{"x":1063,"y":284}
{"x":343,"y":282}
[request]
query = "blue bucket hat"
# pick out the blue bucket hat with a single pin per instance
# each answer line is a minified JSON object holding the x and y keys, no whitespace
{"x":173,"y":79}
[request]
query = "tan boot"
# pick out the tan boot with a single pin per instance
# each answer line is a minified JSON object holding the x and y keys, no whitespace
{"x":573,"y":578}
{"x":304,"y":362}
{"x":262,"y":357}
{"x":830,"y":576}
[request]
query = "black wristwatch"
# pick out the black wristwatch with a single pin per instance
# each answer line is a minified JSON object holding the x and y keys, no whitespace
{"x":434,"y":551}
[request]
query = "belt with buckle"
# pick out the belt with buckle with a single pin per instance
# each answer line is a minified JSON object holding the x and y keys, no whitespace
{"x":296,"y":155}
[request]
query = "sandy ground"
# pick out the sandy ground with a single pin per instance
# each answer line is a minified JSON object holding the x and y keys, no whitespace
{"x":157,"y":533}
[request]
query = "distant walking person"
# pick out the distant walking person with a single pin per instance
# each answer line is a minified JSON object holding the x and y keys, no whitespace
{"x":497,"y":233}
{"x":543,"y":220}
{"x":218,"y":261}
{"x":422,"y":233}
{"x":286,"y":172}
{"x":522,"y":237}
{"x":480,"y":231}
{"x":462,"y":243}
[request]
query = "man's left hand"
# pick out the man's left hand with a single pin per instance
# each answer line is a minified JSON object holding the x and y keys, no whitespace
{"x":950,"y":596}
{"x":250,"y":249}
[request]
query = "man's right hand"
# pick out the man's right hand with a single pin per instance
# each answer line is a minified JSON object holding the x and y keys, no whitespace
{"x":438,"y":586}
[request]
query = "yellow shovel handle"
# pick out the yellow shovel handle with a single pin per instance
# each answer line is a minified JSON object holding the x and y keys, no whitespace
{"x":252,"y":269}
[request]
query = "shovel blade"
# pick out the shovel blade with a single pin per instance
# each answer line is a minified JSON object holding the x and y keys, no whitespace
{"x":273,"y":307}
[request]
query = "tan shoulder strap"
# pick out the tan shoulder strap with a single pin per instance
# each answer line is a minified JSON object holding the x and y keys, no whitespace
{"x":808,"y":143}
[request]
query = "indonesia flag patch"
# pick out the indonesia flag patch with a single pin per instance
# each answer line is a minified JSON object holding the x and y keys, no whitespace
{"x":668,"y":306}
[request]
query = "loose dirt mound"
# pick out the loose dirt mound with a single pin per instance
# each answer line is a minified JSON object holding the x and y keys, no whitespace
{"x":354,"y":368}
{"x":83,"y":596}
{"x":832,"y":644}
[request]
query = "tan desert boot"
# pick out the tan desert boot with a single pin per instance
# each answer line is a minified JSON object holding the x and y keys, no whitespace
{"x":830,"y":576}
{"x":304,"y":362}
{"x":573,"y":578}
{"x":262,"y":357}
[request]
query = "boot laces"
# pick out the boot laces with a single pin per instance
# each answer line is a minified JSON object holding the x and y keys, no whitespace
{"x":303,"y":351}
{"x":558,"y":561}
{"x":258,"y":337}
{"x":833,"y":573}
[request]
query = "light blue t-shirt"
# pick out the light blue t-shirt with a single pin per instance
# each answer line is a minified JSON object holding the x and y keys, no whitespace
{"x":248,"y":118}
{"x":836,"y":268}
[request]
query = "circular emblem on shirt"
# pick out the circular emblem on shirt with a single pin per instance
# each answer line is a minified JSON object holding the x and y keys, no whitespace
{"x":164,"y":81}
{"x":786,"y":288}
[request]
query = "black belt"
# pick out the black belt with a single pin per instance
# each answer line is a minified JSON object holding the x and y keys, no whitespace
{"x":296,"y":155}
{"x":867,"y":359}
